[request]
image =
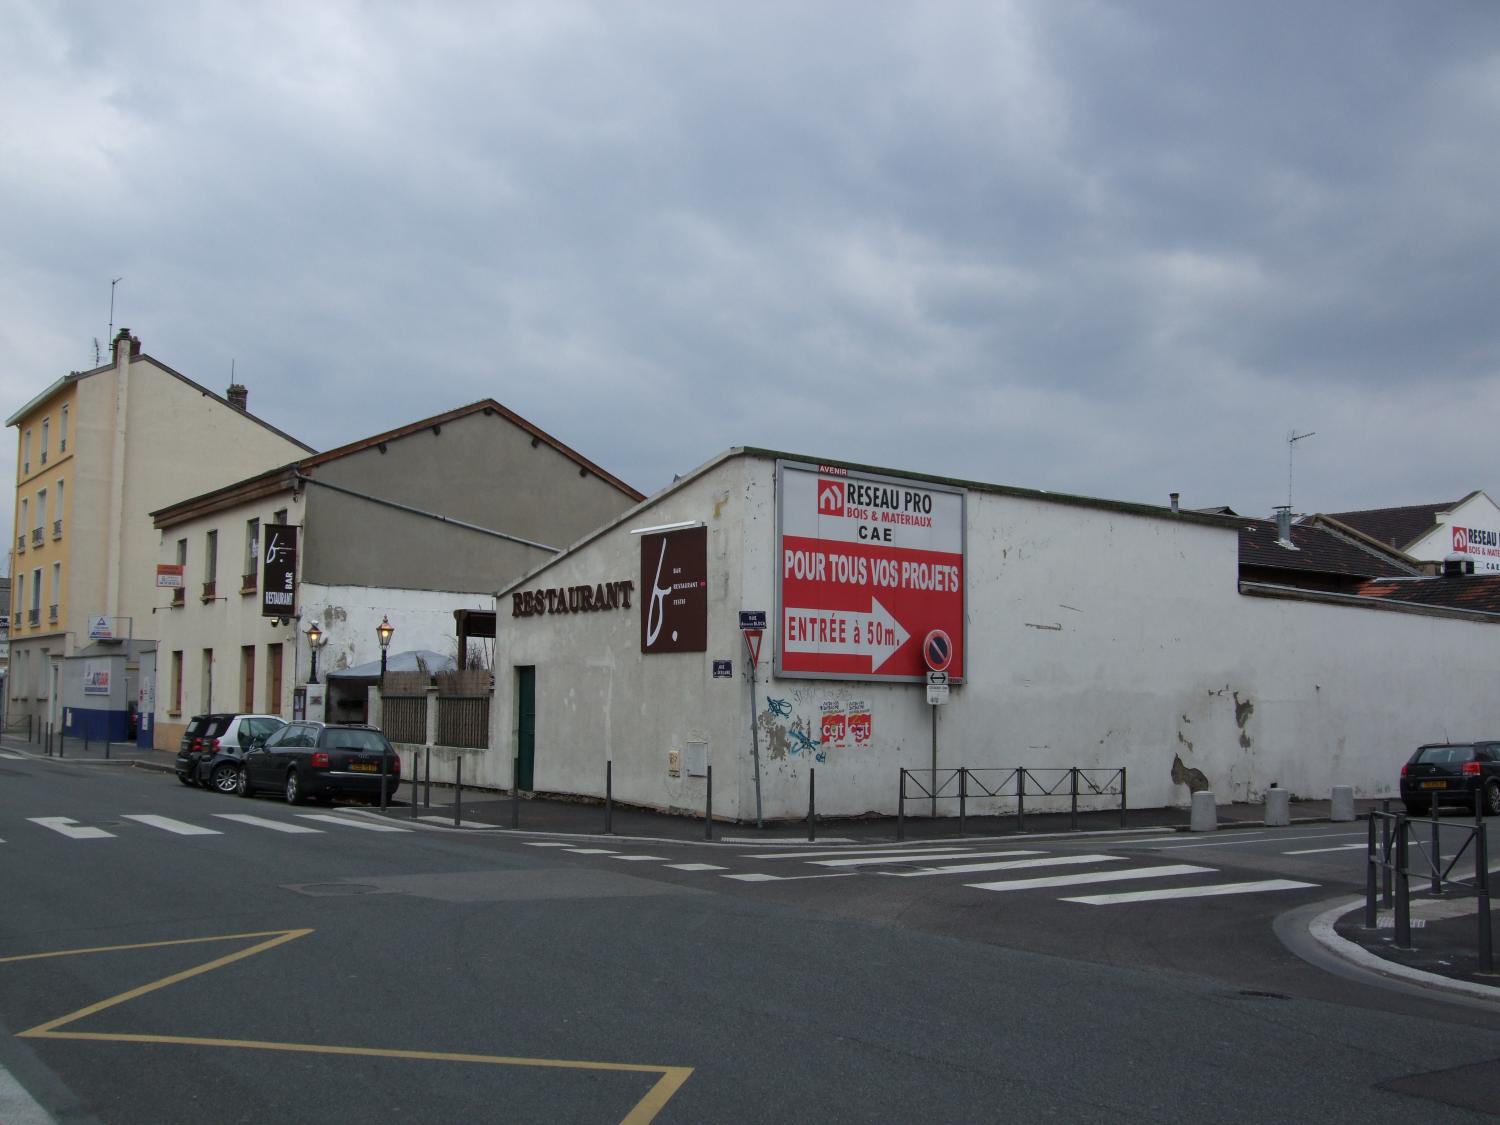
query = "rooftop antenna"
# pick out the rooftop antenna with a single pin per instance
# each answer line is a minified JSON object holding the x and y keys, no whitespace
{"x":112,"y":285}
{"x":1292,"y":438}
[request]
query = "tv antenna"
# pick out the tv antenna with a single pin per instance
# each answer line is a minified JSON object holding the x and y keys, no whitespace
{"x":1292,"y":438}
{"x":112,"y":285}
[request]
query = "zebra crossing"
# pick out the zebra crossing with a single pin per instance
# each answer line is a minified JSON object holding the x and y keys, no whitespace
{"x":1054,"y":871}
{"x":71,"y":829}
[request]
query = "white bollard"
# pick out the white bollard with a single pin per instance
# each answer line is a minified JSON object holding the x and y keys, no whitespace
{"x":1278,"y":808}
{"x":1343,"y":802}
{"x":1205,"y":815}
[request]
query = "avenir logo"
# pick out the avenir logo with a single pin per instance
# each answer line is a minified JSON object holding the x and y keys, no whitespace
{"x":830,"y":497}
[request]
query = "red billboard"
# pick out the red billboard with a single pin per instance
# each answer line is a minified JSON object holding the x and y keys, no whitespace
{"x":867,"y":567}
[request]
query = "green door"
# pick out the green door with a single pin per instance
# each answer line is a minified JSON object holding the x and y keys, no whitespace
{"x":525,"y":726}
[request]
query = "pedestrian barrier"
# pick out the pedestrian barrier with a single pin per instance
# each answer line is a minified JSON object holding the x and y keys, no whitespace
{"x":1396,"y":851}
{"x":1005,"y":784}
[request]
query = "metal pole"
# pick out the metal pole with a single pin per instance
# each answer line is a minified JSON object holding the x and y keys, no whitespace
{"x":708,"y":805}
{"x":609,"y":796}
{"x":1387,"y":830}
{"x":934,"y":761}
{"x":901,"y":808}
{"x":1482,"y":881}
{"x":1403,"y":889}
{"x":1435,"y":858}
{"x":754,"y":736}
{"x":812,"y":803}
{"x":963,"y":796}
{"x":416,"y":773}
{"x":1371,"y":858}
{"x":1021,"y":799}
{"x":458,"y":790}
{"x":1122,"y":796}
{"x":515,"y":791}
{"x":427,"y":794}
{"x":1073,"y":777}
{"x":385,"y":766}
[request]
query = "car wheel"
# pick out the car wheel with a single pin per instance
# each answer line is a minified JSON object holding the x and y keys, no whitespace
{"x":1492,"y":798}
{"x":241,"y":783}
{"x":225,"y":778}
{"x":294,"y":794}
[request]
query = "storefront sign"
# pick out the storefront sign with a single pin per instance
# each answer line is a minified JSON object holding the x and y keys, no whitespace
{"x":674,"y":574}
{"x":169,"y":576}
{"x":1480,"y":544}
{"x":96,"y":677}
{"x":278,"y":586}
{"x":571,"y":599}
{"x":867,"y":567}
{"x":101,"y":629}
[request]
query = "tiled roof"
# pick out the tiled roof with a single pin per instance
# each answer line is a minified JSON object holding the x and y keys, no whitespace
{"x":1397,"y":526}
{"x":1319,"y":549}
{"x":1480,"y":593}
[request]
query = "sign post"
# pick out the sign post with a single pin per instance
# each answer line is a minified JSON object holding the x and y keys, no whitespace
{"x":937,"y":651}
{"x":753,"y":625}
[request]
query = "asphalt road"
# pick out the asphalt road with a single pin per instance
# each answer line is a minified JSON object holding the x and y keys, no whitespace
{"x":163,"y":959}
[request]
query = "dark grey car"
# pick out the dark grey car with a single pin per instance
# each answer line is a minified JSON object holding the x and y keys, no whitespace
{"x":321,"y":761}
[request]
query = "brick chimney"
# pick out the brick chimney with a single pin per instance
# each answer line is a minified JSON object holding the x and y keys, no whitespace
{"x":238,"y":395}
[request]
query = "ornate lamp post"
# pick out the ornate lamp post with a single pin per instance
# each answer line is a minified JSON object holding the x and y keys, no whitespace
{"x":384,"y":631}
{"x":314,"y":638}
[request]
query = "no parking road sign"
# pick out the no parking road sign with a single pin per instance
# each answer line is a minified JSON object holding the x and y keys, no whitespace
{"x":937,"y":650}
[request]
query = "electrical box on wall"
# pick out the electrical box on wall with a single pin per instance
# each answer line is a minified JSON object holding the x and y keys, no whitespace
{"x":674,"y":763}
{"x":695,"y":759}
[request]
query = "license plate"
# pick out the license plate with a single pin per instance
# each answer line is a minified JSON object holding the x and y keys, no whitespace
{"x":1434,"y":785}
{"x":365,"y":767}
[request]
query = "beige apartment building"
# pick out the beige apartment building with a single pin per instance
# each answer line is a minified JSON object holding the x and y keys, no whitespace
{"x":96,"y":452}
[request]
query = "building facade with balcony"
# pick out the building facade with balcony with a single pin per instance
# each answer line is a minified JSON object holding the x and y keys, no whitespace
{"x":96,"y":451}
{"x":407,"y":526}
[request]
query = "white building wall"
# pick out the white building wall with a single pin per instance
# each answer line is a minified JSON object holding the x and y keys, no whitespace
{"x":1478,"y":512}
{"x":1097,"y":636}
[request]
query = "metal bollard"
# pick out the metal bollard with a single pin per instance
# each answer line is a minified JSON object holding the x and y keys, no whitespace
{"x":415,"y":774}
{"x":1342,"y":805}
{"x":1482,"y":882}
{"x":385,"y":768}
{"x":427,"y":794}
{"x":812,"y":803}
{"x":901,"y":808}
{"x":708,"y":806}
{"x":1122,"y":796}
{"x":963,"y":796}
{"x":1387,"y":835}
{"x":1073,"y":786}
{"x":1435,"y":856}
{"x":515,"y":791}
{"x":1371,"y":857}
{"x":458,"y":791}
{"x":1403,"y":888}
{"x":1021,"y":800}
{"x":609,"y":796}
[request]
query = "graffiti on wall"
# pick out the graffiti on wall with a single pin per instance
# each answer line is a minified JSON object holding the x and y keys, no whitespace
{"x":828,"y":725}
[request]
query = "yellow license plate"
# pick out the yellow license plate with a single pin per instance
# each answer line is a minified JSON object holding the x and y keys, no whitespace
{"x":1425,"y":784}
{"x":364,"y":767}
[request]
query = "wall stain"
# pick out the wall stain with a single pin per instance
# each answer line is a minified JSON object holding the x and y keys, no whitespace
{"x":1182,"y":774}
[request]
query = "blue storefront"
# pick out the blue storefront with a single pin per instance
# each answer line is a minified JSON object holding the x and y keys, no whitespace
{"x":100,"y":687}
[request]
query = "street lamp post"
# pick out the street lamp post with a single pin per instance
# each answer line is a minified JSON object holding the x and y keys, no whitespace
{"x":314,"y":638}
{"x":384,"y":631}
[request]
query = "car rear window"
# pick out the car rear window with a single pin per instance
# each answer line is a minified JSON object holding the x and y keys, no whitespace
{"x":335,"y":738}
{"x":208,"y":726}
{"x":1444,"y":755}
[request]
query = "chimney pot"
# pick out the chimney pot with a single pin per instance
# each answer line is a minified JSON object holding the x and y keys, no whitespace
{"x":1174,"y":502}
{"x":1284,"y":523}
{"x":238,"y":396}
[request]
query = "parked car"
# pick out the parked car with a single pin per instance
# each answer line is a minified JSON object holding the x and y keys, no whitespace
{"x":320,"y":761}
{"x":206,"y":735}
{"x":1453,"y":773}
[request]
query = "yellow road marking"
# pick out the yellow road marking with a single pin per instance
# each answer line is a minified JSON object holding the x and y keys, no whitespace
{"x":644,"y":1111}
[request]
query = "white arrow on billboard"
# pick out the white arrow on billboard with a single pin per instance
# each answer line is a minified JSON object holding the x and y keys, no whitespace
{"x":844,"y":632}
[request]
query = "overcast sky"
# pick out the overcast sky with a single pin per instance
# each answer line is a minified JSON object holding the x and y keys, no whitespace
{"x":1116,"y":249}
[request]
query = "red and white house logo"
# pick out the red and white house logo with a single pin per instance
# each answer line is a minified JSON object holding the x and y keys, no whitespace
{"x":830,"y":497}
{"x":1461,"y":540}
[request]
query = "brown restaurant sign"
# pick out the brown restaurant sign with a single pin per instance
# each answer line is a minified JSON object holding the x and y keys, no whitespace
{"x":571,"y":599}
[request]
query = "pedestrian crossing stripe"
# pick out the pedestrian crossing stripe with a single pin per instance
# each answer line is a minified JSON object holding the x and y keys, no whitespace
{"x":1116,"y":875}
{"x":176,"y":827}
{"x":266,"y":822}
{"x":1006,"y":865}
{"x":70,"y":828}
{"x":909,"y":857}
{"x":1192,"y":892}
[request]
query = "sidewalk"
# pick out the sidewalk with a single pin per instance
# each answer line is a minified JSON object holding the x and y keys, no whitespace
{"x":1444,"y":929}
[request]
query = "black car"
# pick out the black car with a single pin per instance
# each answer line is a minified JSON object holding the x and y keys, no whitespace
{"x":1453,"y":773}
{"x":320,"y":761}
{"x":208,"y":734}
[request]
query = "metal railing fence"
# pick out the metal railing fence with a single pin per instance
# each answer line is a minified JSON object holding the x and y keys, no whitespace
{"x":1048,"y":785}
